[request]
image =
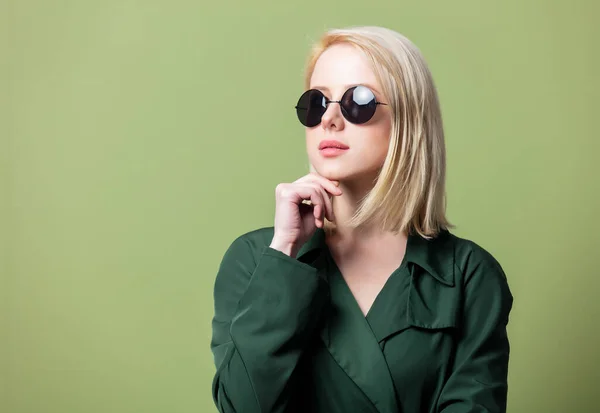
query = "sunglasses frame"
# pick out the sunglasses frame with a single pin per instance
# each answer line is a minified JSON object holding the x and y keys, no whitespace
{"x":344,"y":112}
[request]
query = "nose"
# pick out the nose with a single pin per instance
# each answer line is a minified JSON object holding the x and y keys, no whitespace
{"x":333,"y":118}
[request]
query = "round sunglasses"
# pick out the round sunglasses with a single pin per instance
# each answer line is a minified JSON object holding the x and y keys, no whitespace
{"x":358,"y":105}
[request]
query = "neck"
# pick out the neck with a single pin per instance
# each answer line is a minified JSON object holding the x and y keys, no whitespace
{"x":344,"y":208}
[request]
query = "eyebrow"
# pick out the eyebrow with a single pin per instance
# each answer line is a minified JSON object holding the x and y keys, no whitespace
{"x":346,"y":87}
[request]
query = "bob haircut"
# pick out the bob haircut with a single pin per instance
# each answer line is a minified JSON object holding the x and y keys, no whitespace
{"x":409,"y":193}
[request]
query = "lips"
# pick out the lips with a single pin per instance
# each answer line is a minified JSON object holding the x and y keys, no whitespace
{"x":332,"y":144}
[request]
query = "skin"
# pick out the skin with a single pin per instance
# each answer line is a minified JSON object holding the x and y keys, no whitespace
{"x":346,"y":177}
{"x":338,"y":68}
{"x":366,"y":256}
{"x":355,"y":251}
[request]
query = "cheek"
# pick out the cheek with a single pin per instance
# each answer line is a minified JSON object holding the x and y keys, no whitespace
{"x":384,"y":139}
{"x":375,"y":144}
{"x":311,"y":143}
{"x":372,"y":153}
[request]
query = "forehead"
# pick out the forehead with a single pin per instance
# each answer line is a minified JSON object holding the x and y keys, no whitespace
{"x":341,"y":65}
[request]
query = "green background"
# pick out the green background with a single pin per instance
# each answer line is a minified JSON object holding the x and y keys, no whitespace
{"x":139,"y":138}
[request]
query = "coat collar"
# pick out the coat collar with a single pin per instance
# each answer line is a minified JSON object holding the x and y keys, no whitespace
{"x":363,"y":361}
{"x":436,"y":256}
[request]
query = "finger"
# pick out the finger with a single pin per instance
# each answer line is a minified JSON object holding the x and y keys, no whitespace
{"x":324,"y":201}
{"x":296,"y":193}
{"x":328,"y":185}
{"x":309,"y":191}
{"x":318,"y":199}
{"x":328,"y":205}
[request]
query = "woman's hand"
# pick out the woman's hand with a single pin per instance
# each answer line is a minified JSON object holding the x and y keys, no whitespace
{"x":295,"y":219}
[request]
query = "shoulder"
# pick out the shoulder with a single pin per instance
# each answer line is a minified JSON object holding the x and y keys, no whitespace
{"x":477,"y":269}
{"x":259,"y":236}
{"x":469,"y":255}
{"x":236,"y":268}
{"x":250,"y":244}
{"x":246,"y":249}
{"x":482,"y":282}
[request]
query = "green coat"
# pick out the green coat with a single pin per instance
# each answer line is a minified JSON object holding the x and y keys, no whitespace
{"x":289,"y":336}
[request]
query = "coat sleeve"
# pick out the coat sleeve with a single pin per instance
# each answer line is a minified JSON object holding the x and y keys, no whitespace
{"x":266,"y":308}
{"x":478,"y":382}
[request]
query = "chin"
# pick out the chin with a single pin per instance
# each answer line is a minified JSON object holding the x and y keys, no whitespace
{"x":331,"y":172}
{"x":338,"y":175}
{"x":344,"y":173}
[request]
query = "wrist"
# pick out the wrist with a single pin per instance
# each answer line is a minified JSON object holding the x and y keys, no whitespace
{"x":285,"y":247}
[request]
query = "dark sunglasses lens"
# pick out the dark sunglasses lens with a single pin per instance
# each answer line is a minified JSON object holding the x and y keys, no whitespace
{"x":359,"y":104}
{"x":311,"y":107}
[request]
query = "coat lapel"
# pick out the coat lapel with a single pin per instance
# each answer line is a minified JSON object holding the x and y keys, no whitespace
{"x":354,"y":341}
{"x":421,"y":293}
{"x":412,"y":298}
{"x":346,"y":332}
{"x":350,"y":341}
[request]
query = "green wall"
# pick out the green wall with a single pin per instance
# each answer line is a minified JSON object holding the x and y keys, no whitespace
{"x":139,"y":138}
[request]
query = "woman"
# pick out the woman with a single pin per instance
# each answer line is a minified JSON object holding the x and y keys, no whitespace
{"x":359,"y":299}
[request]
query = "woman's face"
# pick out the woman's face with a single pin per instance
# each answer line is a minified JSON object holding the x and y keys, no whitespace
{"x":337,"y":69}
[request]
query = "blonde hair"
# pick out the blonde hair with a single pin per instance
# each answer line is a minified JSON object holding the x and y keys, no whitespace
{"x":410,"y":191}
